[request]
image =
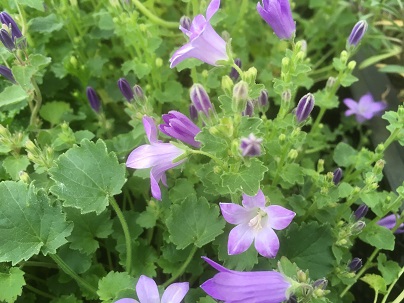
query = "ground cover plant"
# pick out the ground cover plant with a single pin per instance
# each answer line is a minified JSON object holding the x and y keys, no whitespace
{"x":194,"y":151}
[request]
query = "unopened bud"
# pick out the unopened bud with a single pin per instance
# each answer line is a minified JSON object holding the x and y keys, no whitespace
{"x":138,"y":93}
{"x":125,"y":89}
{"x":93,"y":99}
{"x":227,"y":85}
{"x":287,"y":96}
{"x":301,"y":276}
{"x":200,"y":99}
{"x":357,"y":33}
{"x":304,"y":107}
{"x":285,"y":62}
{"x":193,"y":113}
{"x":185,"y":23}
{"x":234,"y":73}
{"x":226,"y":36}
{"x":378,"y":168}
{"x":250,"y":75}
{"x":159,"y":62}
{"x":337,"y":176}
{"x":355,"y":265}
{"x":320,"y":165}
{"x":293,"y":154}
{"x":361,"y":211}
{"x":24,"y":177}
{"x":357,"y":227}
{"x":263,"y":100}
{"x":249,"y":109}
{"x":320,"y":283}
{"x":351,"y":65}
{"x":344,"y":57}
{"x":330,"y":82}
{"x":7,"y":73}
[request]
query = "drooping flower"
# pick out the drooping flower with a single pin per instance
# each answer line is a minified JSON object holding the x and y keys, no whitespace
{"x":93,"y":99}
{"x":255,"y":222}
{"x":7,"y":73}
{"x":205,"y":44}
{"x":157,"y":155}
{"x":147,"y":292}
{"x":233,"y":286}
{"x":390,"y":222}
{"x":180,"y":127}
{"x":251,"y":146}
{"x":304,"y":107}
{"x":278,"y":15}
{"x":357,"y":33}
{"x":365,"y":109}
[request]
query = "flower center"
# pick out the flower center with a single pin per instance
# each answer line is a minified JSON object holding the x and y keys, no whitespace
{"x":255,"y":222}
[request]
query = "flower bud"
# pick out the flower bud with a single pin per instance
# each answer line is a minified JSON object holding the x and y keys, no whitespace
{"x":357,"y":227}
{"x":93,"y":99}
{"x":24,"y":177}
{"x":361,"y":211}
{"x":200,"y":99}
{"x":249,"y":109}
{"x":320,"y":165}
{"x":337,"y":176}
{"x":251,"y":146}
{"x":263,"y":100}
{"x":355,"y":265}
{"x":193,"y":113}
{"x":185,"y":23}
{"x":6,"y":73}
{"x":304,"y":107}
{"x":357,"y":33}
{"x":330,"y":82}
{"x":351,"y":65}
{"x":320,"y":283}
{"x":138,"y":93}
{"x":293,"y":154}
{"x":159,"y":62}
{"x":8,"y":21}
{"x":285,"y":62}
{"x":344,"y":57}
{"x":240,"y":95}
{"x":6,"y":39}
{"x":301,"y":276}
{"x":287,"y":96}
{"x":227,"y":85}
{"x":234,"y":73}
{"x":125,"y":89}
{"x":250,"y":75}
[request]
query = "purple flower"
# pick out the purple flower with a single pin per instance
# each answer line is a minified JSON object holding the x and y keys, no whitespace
{"x":200,"y":99}
{"x":278,"y":15}
{"x":355,"y":265}
{"x":205,"y":44}
{"x":361,"y":211}
{"x":233,"y":286}
{"x":6,"y":39}
{"x":251,"y":146}
{"x":255,"y":222}
{"x":125,"y":89}
{"x":357,"y":33}
{"x":6,"y":73}
{"x":180,"y":127}
{"x":304,"y":107}
{"x":8,"y":21}
{"x":390,"y":222}
{"x":365,"y":109}
{"x":147,"y":292}
{"x":157,"y":155}
{"x":93,"y":99}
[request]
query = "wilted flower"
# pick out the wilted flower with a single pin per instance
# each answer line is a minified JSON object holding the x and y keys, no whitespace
{"x":355,"y":265}
{"x":200,"y":99}
{"x":180,"y":127}
{"x":234,"y":73}
{"x":157,"y":155}
{"x":357,"y":33}
{"x":255,"y":222}
{"x":390,"y":222}
{"x":232,"y":286}
{"x":304,"y":107}
{"x":365,"y":109}
{"x":6,"y":73}
{"x":251,"y":146}
{"x":147,"y":292}
{"x":205,"y":44}
{"x":125,"y":89}
{"x":278,"y":15}
{"x":337,"y":176}
{"x":93,"y":99}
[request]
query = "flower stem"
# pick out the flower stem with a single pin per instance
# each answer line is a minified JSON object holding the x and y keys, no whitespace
{"x":182,"y":268}
{"x":39,"y":292}
{"x":153,"y":17}
{"x":38,"y":102}
{"x":400,"y":298}
{"x":391,"y":287}
{"x":126,"y":233}
{"x":238,"y":69}
{"x":67,"y":269}
{"x":217,"y":160}
{"x":391,"y":138}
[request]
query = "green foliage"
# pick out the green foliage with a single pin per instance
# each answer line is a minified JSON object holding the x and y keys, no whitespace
{"x":378,"y":236}
{"x":376,"y":282}
{"x":11,"y":284}
{"x":111,"y":287}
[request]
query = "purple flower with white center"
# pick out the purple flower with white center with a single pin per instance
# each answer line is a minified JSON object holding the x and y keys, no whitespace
{"x":390,"y":222}
{"x":205,"y":44}
{"x":304,"y":107}
{"x":357,"y":33}
{"x":157,"y":155}
{"x":6,"y":73}
{"x":180,"y":127}
{"x":278,"y":15}
{"x":365,"y":109}
{"x":125,"y":89}
{"x":255,"y":222}
{"x":200,"y":99}
{"x":251,"y":146}
{"x":93,"y":99}
{"x":232,"y":286}
{"x":147,"y":292}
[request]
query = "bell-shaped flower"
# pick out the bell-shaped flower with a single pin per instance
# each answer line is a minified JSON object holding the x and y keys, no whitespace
{"x":232,"y":286}
{"x":255,"y":222}
{"x":205,"y":44}
{"x":390,"y":222}
{"x":180,"y":127}
{"x":157,"y":155}
{"x":365,"y":109}
{"x":147,"y":292}
{"x":278,"y":15}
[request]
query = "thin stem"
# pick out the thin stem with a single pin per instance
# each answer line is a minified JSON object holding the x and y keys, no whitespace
{"x":153,"y":17}
{"x":182,"y":268}
{"x":194,"y":151}
{"x":392,"y":285}
{"x":67,"y":270}
{"x":376,"y":296}
{"x":400,"y":298}
{"x":392,"y":137}
{"x":38,"y":264}
{"x":238,"y":69}
{"x":39,"y":292}
{"x":38,"y":102}
{"x":126,"y":233}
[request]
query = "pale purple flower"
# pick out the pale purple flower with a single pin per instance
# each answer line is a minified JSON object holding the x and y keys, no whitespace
{"x":365,"y":109}
{"x":205,"y":44}
{"x":147,"y":292}
{"x":390,"y":222}
{"x":278,"y":15}
{"x":157,"y":155}
{"x":255,"y":222}
{"x":232,"y":286}
{"x":251,"y":146}
{"x":180,"y":127}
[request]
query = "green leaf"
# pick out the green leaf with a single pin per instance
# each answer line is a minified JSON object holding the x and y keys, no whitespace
{"x":37,"y":4}
{"x":11,"y":284}
{"x":309,"y":246}
{"x":194,"y":222}
{"x":87,"y":176}
{"x":171,"y":92}
{"x":14,"y":165}
{"x":344,"y":154}
{"x":378,"y":236}
{"x":23,"y":75}
{"x":348,"y":79}
{"x":88,"y":227}
{"x":249,"y":125}
{"x":324,"y":100}
{"x":399,"y":69}
{"x":189,"y":63}
{"x":48,"y":24}
{"x":27,"y":215}
{"x":113,"y":283}
{"x":389,"y":269}
{"x":12,"y":95}
{"x":148,"y":218}
{"x":140,"y":69}
{"x":210,"y":143}
{"x":183,"y":190}
{"x":292,"y":174}
{"x":39,"y":61}
{"x":247,"y":179}
{"x":53,"y":112}
{"x":376,"y":282}
{"x":77,"y":261}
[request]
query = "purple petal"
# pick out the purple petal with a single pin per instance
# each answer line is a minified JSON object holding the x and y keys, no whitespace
{"x":352,"y":104}
{"x":267,"y":243}
{"x":254,"y":201}
{"x":147,"y":291}
{"x":126,"y":300}
{"x":366,"y":100}
{"x":212,"y":9}
{"x":279,"y":217}
{"x":240,"y":239}
{"x":175,"y":293}
{"x":234,"y":213}
{"x":215,"y":265}
{"x":150,"y":129}
{"x":157,"y":173}
{"x":390,"y":222}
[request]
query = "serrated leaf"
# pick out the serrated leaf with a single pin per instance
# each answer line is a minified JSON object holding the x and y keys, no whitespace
{"x":183,"y":190}
{"x":344,"y":154}
{"x":324,"y":100}
{"x":113,"y":283}
{"x":76,"y":260}
{"x":48,"y":24}
{"x":292,"y":173}
{"x":11,"y":284}
{"x":247,"y":179}
{"x":378,"y":236}
{"x":376,"y":282}
{"x":87,"y":176}
{"x":53,"y":112}
{"x":14,"y":165}
{"x":389,"y":269}
{"x":194,"y":222}
{"x":210,"y":143}
{"x":23,"y":75}
{"x":12,"y":95}
{"x":140,"y":69}
{"x":27,"y":217}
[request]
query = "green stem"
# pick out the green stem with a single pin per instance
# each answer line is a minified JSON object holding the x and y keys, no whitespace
{"x":238,"y":69}
{"x":391,"y":138}
{"x":376,"y":296}
{"x":182,"y":268}
{"x":38,"y":102}
{"x":153,"y":17}
{"x":67,"y":270}
{"x":281,"y":163}
{"x":126,"y":233}
{"x":392,"y":285}
{"x":39,"y":292}
{"x":38,"y":264}
{"x":400,"y":298}
{"x":194,"y":151}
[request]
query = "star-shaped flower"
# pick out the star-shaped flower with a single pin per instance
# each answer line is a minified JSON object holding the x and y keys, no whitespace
{"x":255,"y":222}
{"x":365,"y":109}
